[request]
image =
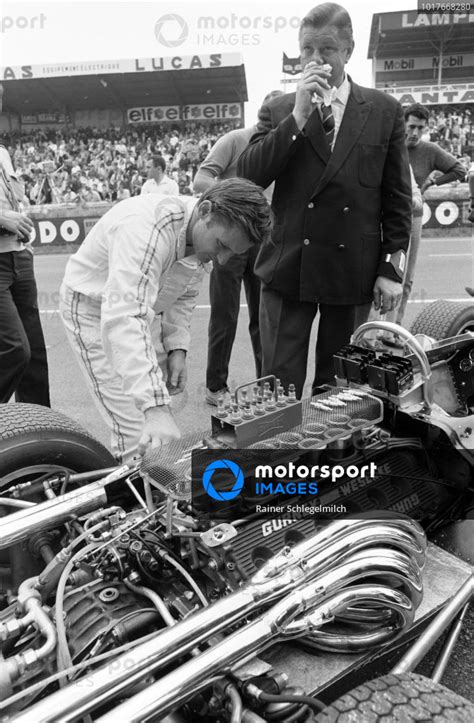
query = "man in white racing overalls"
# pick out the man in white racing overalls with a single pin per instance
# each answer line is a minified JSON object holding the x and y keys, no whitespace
{"x":128,"y":295}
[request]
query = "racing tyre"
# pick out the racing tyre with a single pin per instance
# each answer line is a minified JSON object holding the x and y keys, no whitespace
{"x":405,"y":697}
{"x":443,"y":319}
{"x":31,"y":435}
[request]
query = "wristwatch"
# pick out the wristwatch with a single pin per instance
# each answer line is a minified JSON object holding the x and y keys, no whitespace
{"x":397,"y":261}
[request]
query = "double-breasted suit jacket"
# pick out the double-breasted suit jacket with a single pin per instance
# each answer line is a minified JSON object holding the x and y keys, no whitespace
{"x":336,"y":214}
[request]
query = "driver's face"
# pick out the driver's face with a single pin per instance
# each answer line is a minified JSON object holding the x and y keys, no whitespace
{"x":216,"y":241}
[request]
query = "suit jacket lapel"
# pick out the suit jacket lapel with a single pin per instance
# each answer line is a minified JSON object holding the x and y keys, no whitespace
{"x":353,"y":121}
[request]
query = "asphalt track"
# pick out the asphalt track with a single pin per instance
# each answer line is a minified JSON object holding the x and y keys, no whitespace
{"x":445,"y":266}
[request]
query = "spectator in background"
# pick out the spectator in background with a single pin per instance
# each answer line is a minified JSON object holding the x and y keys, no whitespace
{"x":90,"y":195}
{"x":23,"y":362}
{"x":466,"y":161}
{"x":69,"y":196}
{"x":431,"y":133}
{"x":123,"y":192}
{"x":76,"y":181}
{"x":425,"y":157}
{"x":94,"y":155}
{"x":226,"y":280}
{"x":158,"y":181}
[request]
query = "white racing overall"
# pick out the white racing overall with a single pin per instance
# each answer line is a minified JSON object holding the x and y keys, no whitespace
{"x":126,"y":302}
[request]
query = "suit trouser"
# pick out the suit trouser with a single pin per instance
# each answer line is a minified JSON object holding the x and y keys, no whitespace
{"x":23,"y":361}
{"x":224,"y":291}
{"x":285,"y":328}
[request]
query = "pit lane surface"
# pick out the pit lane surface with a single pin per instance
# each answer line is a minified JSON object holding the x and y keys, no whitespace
{"x":445,"y":266}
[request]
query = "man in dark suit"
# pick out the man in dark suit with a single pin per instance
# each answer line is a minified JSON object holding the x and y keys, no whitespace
{"x":342,"y":203}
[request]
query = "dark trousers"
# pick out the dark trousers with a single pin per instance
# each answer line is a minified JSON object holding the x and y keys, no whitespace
{"x":23,"y":363}
{"x":285,"y":329}
{"x":224,"y":292}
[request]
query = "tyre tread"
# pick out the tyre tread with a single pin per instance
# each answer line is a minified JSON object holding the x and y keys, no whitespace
{"x":32,"y":435}
{"x":405,"y":697}
{"x":18,"y":419}
{"x":437,"y":319}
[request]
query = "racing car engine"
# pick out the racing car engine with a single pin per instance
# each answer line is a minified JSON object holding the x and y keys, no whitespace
{"x":80,"y":589}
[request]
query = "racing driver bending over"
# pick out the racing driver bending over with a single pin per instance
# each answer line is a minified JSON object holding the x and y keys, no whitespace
{"x":129,"y":291}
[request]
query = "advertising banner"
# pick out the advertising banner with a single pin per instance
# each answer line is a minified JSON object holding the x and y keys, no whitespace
{"x":134,"y":65}
{"x":386,"y":65}
{"x":416,"y":19}
{"x":433,"y":95}
{"x":34,"y":119}
{"x":61,"y":230}
{"x":447,"y":213}
{"x":170,"y":113}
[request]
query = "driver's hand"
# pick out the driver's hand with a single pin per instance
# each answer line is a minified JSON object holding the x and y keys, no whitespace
{"x":387,"y":294}
{"x":159,"y":428}
{"x":177,"y":374}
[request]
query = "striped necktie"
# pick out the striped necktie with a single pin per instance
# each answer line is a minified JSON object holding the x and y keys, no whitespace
{"x":328,"y":123}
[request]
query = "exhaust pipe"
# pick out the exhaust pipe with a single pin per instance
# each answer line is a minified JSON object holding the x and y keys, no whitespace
{"x":297,"y":614}
{"x":328,"y":548}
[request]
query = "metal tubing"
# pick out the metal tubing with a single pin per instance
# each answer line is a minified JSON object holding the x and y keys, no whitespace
{"x":285,"y":620}
{"x":95,"y":474}
{"x":448,"y":646}
{"x":336,"y":542}
{"x":155,"y":599}
{"x":426,"y":640}
{"x":29,"y":599}
{"x":46,"y":515}
{"x":14,"y":502}
{"x":127,"y":669}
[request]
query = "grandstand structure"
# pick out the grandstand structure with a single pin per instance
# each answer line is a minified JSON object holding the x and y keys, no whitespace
{"x":424,"y":58}
{"x":100,"y":94}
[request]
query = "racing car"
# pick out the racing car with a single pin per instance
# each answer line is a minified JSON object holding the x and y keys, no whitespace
{"x":124,"y":598}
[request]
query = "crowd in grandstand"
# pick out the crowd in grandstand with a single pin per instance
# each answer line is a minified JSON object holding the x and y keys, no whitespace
{"x":452,"y":130}
{"x":89,"y":165}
